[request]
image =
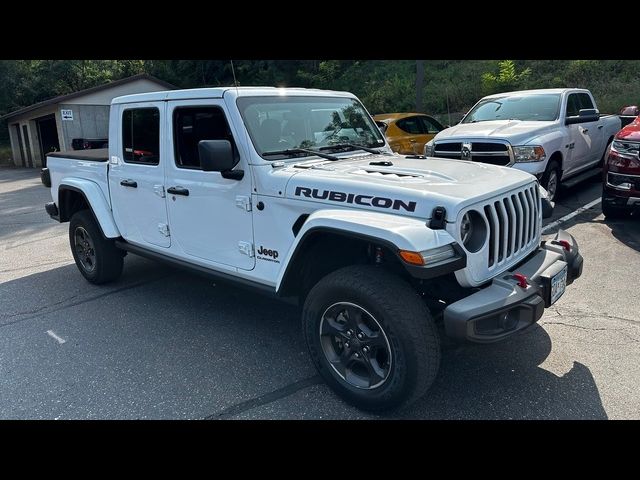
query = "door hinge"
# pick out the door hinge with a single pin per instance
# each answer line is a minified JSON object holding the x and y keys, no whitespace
{"x":246,"y":248}
{"x":243,"y":202}
{"x":159,"y":190}
{"x":163,"y":228}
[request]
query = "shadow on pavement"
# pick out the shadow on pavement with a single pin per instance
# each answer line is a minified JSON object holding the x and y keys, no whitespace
{"x":626,"y":230}
{"x":262,"y":335}
{"x":506,"y":381}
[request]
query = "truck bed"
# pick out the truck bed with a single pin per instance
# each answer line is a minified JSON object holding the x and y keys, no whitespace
{"x":79,"y":169}
{"x":96,"y":155}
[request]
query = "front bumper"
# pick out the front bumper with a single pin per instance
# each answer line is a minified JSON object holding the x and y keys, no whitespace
{"x":504,"y":308}
{"x":621,"y":198}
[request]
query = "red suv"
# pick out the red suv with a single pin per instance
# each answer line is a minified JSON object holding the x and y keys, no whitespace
{"x":621,"y":185}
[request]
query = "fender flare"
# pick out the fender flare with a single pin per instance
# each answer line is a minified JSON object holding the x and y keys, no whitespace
{"x":97,"y":203}
{"x":392,"y":231}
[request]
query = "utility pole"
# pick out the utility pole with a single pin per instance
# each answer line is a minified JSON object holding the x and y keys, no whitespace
{"x":419,"y":84}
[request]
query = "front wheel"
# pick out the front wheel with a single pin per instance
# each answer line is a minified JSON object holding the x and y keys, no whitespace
{"x":371,"y":337}
{"x":551,"y":180}
{"x":97,"y":258}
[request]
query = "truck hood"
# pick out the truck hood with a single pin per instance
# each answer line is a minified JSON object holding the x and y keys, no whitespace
{"x":410,"y":186}
{"x":631,"y":132}
{"x":516,"y":132}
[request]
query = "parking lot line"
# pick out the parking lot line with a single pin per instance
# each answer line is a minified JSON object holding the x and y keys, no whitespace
{"x":52,"y":334}
{"x":569,"y":216}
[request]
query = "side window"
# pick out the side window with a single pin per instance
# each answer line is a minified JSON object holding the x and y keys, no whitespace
{"x":585,"y":101}
{"x":411,"y":125}
{"x":430,"y":125}
{"x":573,"y":105}
{"x":141,"y":136}
{"x":192,"y":124}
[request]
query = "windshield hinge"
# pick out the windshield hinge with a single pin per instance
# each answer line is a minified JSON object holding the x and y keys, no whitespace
{"x":243,"y":202}
{"x":438,"y":218}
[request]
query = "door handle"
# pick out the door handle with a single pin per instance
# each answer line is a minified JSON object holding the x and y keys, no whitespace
{"x":600,"y":127}
{"x":412,"y":141}
{"x":178,"y":191}
{"x":585,"y":130}
{"x":129,"y":183}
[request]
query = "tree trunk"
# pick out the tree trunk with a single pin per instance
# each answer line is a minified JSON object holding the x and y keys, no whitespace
{"x":419,"y":84}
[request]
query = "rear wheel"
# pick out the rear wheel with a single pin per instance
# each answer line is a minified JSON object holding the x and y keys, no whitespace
{"x":371,"y":337}
{"x":97,"y":258}
{"x":551,"y":180}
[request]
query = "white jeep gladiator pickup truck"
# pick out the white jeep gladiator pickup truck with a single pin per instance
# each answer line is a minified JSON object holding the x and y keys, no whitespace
{"x":295,"y":192}
{"x":555,"y":134}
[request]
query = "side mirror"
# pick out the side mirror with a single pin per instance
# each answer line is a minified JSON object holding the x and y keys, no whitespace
{"x":584,"y":115}
{"x":216,"y":155}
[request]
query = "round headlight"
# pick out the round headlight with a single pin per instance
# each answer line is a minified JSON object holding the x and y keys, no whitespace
{"x":473,"y":231}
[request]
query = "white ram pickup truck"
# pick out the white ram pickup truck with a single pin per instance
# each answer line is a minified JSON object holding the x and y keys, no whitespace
{"x":555,"y":134}
{"x":296,"y":193}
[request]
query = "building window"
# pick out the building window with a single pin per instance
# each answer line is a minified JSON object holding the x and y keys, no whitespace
{"x":141,"y":136}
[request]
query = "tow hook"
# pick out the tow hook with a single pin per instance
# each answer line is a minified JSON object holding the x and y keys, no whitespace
{"x":563,"y":243}
{"x":523,"y":281}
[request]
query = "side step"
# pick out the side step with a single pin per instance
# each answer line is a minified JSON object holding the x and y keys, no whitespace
{"x":582,"y":177}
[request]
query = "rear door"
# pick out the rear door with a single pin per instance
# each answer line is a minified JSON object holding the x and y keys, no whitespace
{"x":413,"y":135}
{"x":595,"y":130}
{"x":431,"y":127}
{"x":211,"y":217}
{"x":136,"y":175}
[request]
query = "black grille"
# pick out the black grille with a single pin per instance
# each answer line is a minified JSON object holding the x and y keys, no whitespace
{"x":484,"y":152}
{"x":488,"y":147}
{"x":449,"y":147}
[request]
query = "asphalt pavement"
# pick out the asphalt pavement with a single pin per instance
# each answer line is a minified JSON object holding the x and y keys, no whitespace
{"x":164,"y":344}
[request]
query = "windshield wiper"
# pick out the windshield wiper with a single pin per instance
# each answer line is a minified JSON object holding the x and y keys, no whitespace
{"x":294,"y":151}
{"x":353,"y":146}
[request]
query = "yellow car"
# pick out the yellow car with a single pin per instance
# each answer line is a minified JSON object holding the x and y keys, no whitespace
{"x":408,"y":132}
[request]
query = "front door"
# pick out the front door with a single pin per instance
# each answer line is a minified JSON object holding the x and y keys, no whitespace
{"x":136,"y":175}
{"x":210,"y":215}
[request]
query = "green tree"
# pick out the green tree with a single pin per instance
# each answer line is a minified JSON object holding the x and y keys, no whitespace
{"x":506,"y":79}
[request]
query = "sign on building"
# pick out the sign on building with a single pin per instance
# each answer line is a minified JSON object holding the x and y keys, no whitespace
{"x":66,"y":114}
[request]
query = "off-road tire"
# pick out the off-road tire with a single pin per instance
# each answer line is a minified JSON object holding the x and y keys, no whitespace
{"x":406,"y":321}
{"x":108,"y":259}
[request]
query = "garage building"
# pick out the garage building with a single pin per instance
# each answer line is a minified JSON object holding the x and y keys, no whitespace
{"x":51,"y":125}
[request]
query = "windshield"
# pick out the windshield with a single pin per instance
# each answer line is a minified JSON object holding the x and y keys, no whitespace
{"x":524,"y":107}
{"x":277,"y":124}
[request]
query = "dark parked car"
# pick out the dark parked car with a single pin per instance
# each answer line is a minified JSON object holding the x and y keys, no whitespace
{"x":89,"y":143}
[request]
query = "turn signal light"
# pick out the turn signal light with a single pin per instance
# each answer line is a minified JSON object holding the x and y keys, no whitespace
{"x":413,"y":258}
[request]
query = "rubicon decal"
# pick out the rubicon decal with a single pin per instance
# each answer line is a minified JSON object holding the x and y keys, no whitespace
{"x":367,"y":200}
{"x":267,"y":254}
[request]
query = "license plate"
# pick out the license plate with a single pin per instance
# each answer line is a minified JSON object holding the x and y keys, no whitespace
{"x":558,"y":285}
